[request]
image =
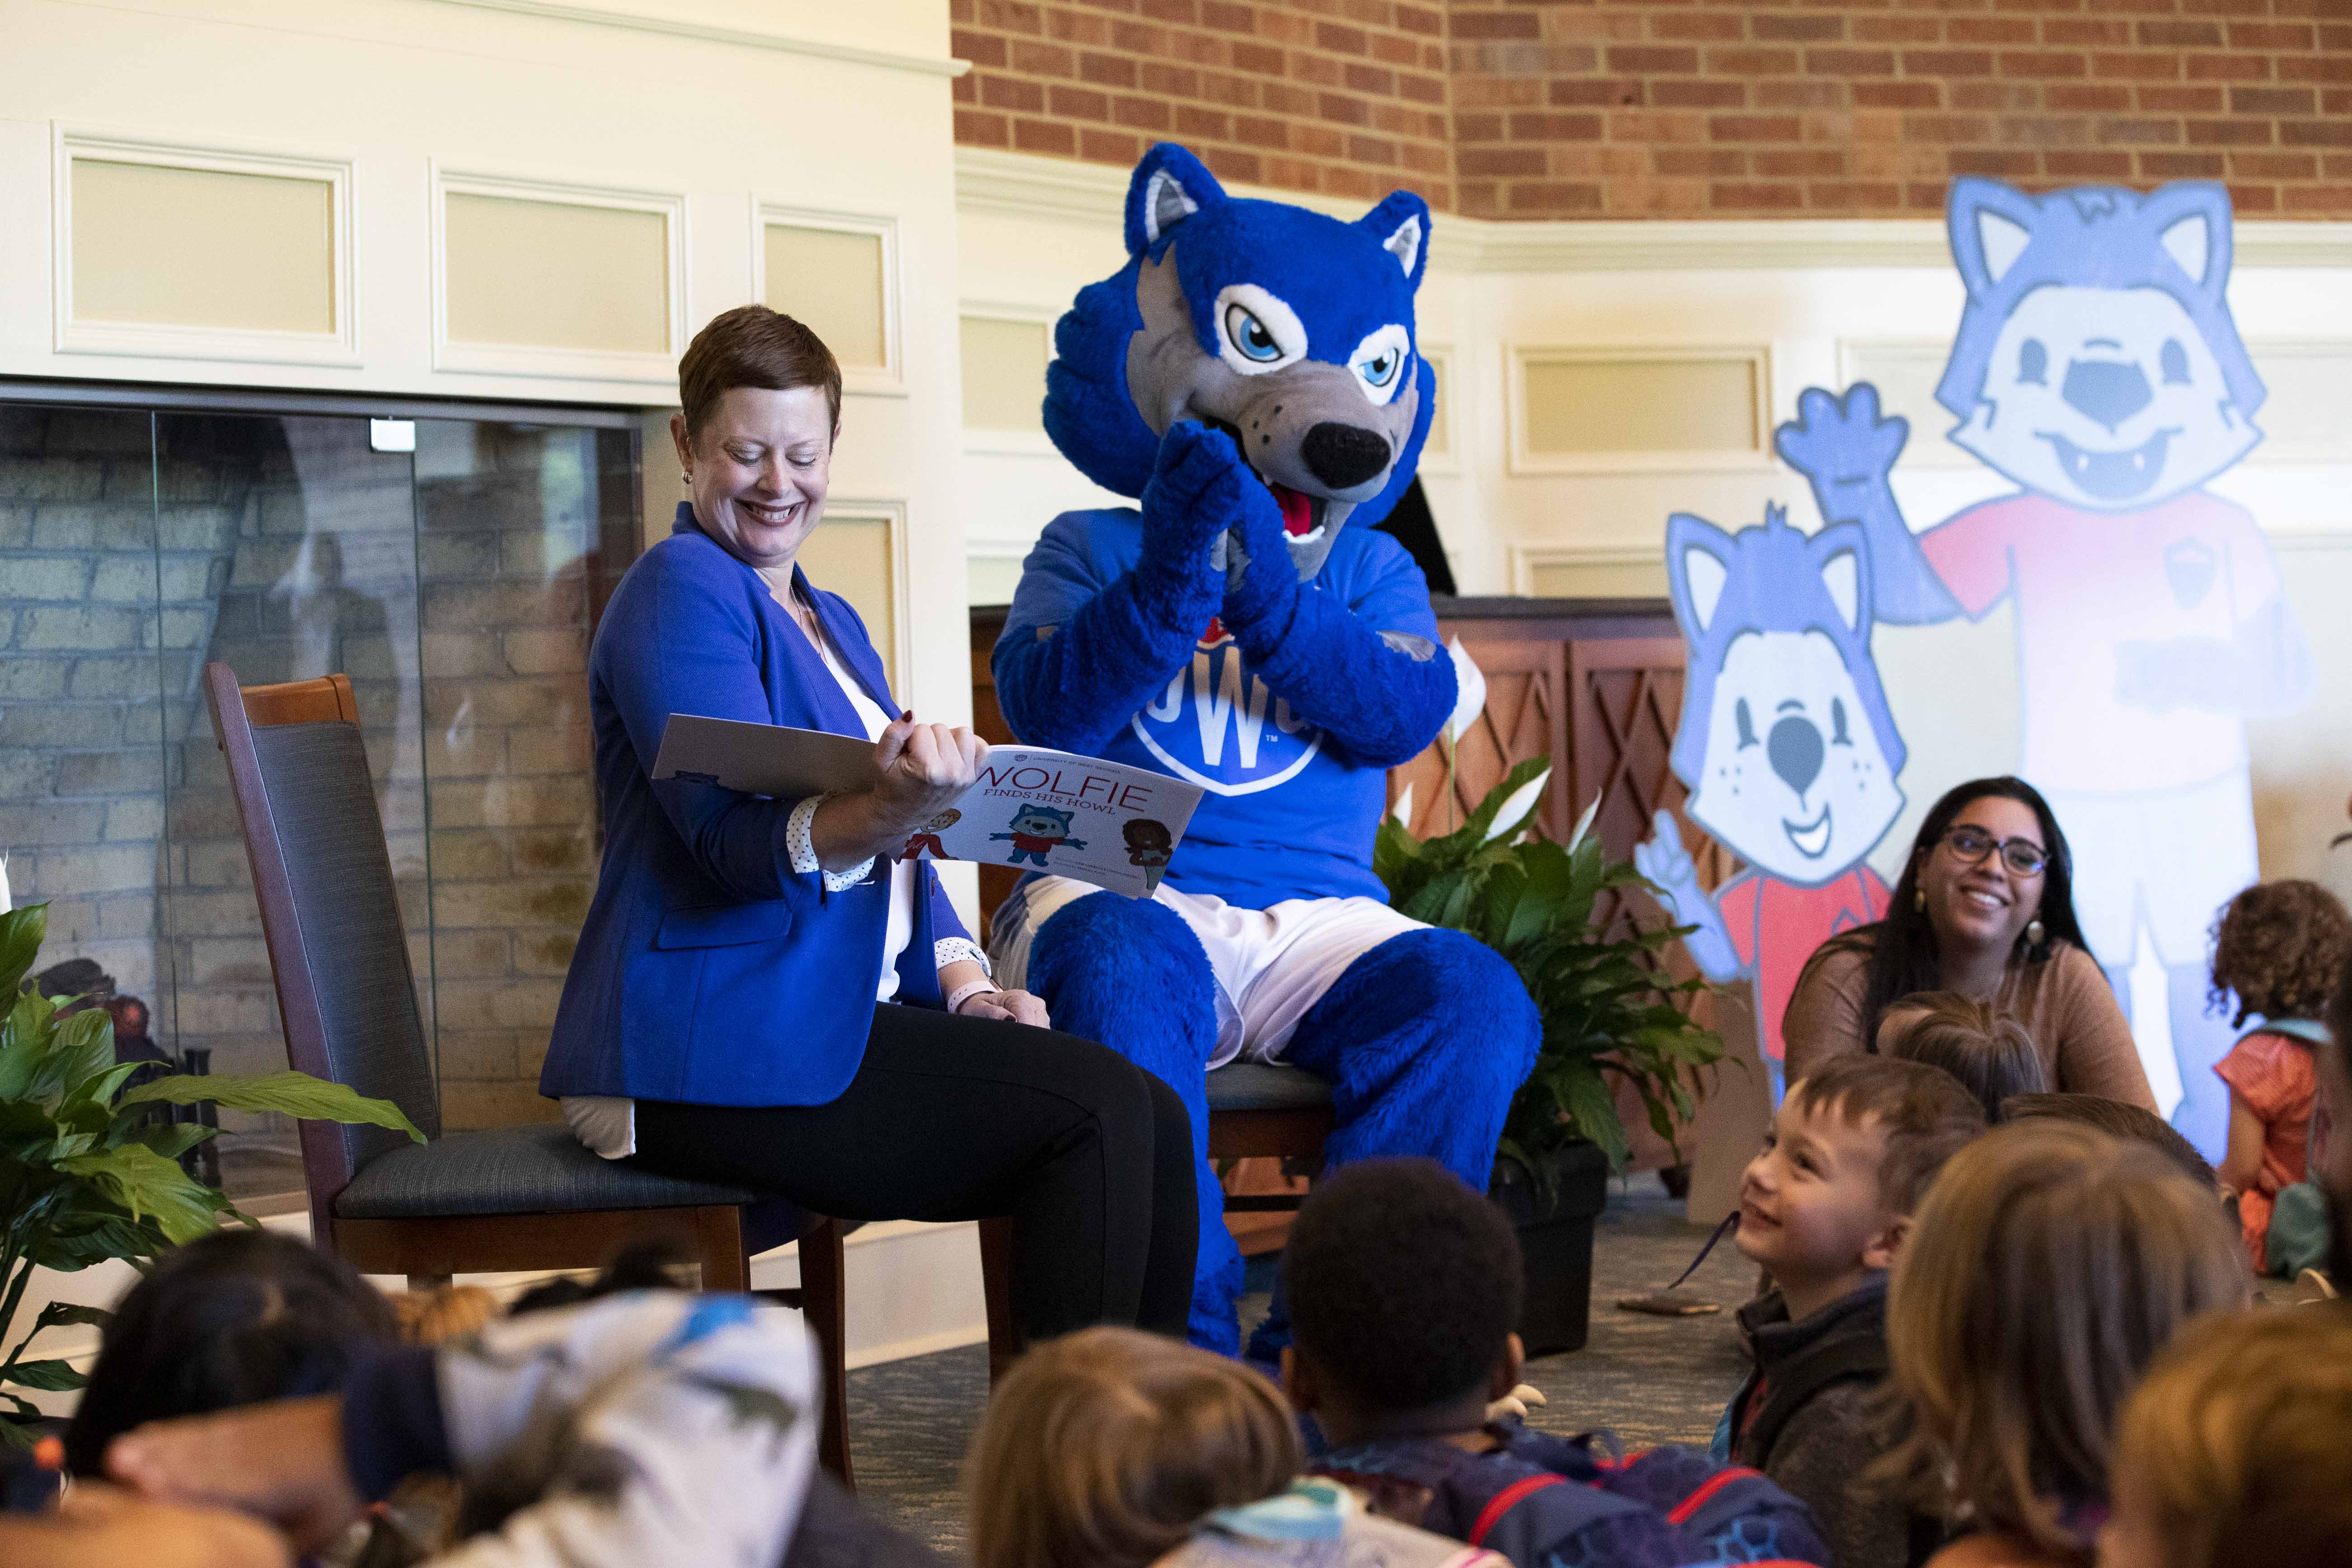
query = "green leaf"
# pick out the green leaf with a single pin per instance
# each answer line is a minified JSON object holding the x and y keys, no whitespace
{"x":21,"y":931}
{"x":171,"y":1140}
{"x":293,"y":1093}
{"x":56,"y":1314}
{"x":82,"y":1052}
{"x":48,"y":1376}
{"x":152,"y":1188}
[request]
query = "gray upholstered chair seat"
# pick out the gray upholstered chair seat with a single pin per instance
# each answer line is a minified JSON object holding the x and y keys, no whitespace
{"x":1264,"y":1086}
{"x":513,"y":1170}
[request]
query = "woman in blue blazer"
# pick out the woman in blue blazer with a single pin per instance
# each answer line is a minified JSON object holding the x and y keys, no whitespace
{"x":761,"y":996}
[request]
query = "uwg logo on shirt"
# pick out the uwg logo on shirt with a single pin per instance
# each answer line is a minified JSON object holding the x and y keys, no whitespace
{"x":1217,"y":726}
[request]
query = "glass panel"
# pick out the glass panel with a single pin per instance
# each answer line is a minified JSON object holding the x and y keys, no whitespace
{"x":81,"y":790}
{"x":287,"y":549}
{"x":520,"y":530}
{"x":457,"y":586}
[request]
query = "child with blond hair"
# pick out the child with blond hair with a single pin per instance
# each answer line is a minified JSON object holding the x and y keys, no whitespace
{"x":1114,"y":1449}
{"x":2048,"y":1266}
{"x":2238,"y":1448}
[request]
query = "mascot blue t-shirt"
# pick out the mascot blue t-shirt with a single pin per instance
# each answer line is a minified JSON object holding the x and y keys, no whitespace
{"x":1288,"y":815}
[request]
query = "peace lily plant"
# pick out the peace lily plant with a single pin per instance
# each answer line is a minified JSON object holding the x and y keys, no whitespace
{"x":1610,"y":1013}
{"x":87,"y":1171}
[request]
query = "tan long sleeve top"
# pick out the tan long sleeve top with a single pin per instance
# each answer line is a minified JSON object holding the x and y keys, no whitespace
{"x":2064,"y":1004}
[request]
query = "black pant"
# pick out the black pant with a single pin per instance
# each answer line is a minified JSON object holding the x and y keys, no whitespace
{"x":957,"y":1119}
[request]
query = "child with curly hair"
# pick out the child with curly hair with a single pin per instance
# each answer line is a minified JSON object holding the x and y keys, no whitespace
{"x":2279,"y":948}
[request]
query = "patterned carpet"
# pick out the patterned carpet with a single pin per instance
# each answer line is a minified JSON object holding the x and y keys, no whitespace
{"x":1654,"y":1380}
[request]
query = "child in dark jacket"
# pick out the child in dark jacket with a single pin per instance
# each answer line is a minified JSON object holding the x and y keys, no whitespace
{"x":1823,"y":1207}
{"x":1403,"y":1285}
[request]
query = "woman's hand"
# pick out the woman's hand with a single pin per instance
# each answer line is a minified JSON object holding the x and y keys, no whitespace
{"x":1013,"y":1007}
{"x":924,"y":768}
{"x":283,"y":1460}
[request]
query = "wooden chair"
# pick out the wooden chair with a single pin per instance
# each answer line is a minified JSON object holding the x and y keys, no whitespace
{"x":1255,"y":1110}
{"x":494,"y":1200}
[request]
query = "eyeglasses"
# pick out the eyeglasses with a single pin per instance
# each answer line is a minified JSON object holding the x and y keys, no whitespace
{"x":2023,"y":856}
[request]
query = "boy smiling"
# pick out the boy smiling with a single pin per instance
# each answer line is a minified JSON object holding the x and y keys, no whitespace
{"x":1823,"y":1207}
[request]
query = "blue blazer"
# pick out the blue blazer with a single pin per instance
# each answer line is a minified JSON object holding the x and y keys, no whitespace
{"x":707,"y":970}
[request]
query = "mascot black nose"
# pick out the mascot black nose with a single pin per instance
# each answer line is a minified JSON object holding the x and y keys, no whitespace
{"x":1344,"y":456}
{"x":1796,"y":750}
{"x":2109,"y":392}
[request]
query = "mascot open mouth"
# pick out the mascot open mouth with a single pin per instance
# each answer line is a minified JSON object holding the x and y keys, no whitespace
{"x":1812,"y":839}
{"x":1302,"y":514}
{"x":2112,"y":476}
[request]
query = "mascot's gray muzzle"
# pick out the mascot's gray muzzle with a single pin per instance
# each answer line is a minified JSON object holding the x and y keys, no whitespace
{"x":1307,"y":429}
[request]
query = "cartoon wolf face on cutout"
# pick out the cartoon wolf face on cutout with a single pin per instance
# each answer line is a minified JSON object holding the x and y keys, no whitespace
{"x":1291,"y":331}
{"x":1786,"y":743}
{"x":2096,"y":361}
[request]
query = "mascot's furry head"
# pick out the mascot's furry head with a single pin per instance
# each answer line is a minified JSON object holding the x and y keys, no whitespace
{"x":2096,"y":361}
{"x":1291,"y":331}
{"x":1787,"y":744}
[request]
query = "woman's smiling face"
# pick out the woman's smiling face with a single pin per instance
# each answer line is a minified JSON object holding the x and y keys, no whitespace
{"x":758,"y":470}
{"x":1982,"y":907}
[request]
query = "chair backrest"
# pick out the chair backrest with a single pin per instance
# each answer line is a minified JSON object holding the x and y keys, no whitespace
{"x":330,"y":914}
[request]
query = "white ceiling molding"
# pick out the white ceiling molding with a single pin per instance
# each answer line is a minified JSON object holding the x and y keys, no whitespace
{"x":639,"y":22}
{"x":988,"y":180}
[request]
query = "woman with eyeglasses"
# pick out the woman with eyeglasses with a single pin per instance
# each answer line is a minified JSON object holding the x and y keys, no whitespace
{"x":1986,"y":908}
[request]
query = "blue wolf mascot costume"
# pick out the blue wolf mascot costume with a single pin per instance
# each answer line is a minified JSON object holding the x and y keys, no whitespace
{"x":1250,"y":376}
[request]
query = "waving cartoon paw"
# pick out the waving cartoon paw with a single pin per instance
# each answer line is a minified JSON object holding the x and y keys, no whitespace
{"x":1837,"y":441}
{"x":1198,"y":488}
{"x":1664,"y":861}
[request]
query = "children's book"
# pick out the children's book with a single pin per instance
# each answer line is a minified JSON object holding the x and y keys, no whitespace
{"x":1104,"y":823}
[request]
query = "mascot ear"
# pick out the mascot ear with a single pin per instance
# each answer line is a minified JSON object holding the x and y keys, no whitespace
{"x":1698,"y":567}
{"x":1169,"y":187}
{"x":1840,"y":553}
{"x":1989,"y":225}
{"x":2190,"y":218}
{"x":1400,"y":224}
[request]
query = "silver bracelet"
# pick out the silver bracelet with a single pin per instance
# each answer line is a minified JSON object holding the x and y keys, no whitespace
{"x":968,"y":990}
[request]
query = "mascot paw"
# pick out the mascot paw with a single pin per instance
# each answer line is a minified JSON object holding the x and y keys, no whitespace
{"x":1198,"y":490}
{"x":1263,"y":584}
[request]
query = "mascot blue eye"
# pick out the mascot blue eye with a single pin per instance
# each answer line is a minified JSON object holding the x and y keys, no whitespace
{"x":2175,"y":362}
{"x":1381,"y":370}
{"x":2034,"y":363}
{"x":1250,"y":336}
{"x":1747,"y":724}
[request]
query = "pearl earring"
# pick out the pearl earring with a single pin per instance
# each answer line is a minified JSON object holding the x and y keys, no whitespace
{"x":1919,"y":900}
{"x":2034,"y":932}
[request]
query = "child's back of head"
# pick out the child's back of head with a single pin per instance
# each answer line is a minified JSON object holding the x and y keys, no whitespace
{"x":2118,"y":1120}
{"x":2279,"y":949}
{"x":1404,"y":1286}
{"x":232,"y":1319}
{"x":2238,"y":1447}
{"x":2049,"y":1265}
{"x":1108,"y":1447}
{"x":1987,"y":1050}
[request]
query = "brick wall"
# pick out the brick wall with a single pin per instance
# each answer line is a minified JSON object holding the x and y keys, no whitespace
{"x":1653,"y":108}
{"x":1346,"y":97}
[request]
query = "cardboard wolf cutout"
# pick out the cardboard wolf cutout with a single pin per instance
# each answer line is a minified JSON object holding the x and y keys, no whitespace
{"x":2097,"y":367}
{"x":1786,"y":748}
{"x":1251,"y":376}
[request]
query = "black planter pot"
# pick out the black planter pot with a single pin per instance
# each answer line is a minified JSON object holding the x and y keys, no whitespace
{"x":1555,"y":1224}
